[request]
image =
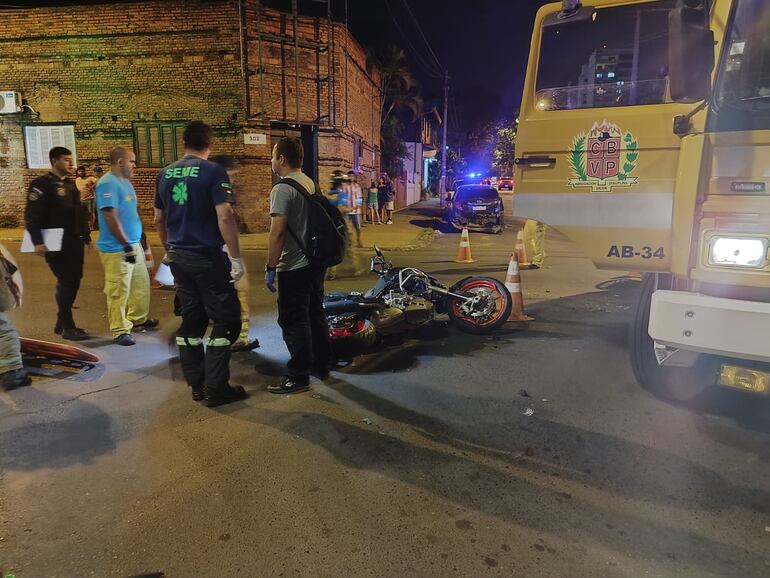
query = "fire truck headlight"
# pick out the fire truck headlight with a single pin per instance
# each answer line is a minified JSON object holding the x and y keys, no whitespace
{"x":738,"y":252}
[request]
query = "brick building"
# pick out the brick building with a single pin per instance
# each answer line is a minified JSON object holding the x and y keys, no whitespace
{"x":133,"y":74}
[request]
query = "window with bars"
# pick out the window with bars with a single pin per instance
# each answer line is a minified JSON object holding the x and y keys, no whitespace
{"x":158,"y":144}
{"x":40,"y":138}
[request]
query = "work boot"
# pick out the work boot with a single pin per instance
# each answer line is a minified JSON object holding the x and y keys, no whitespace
{"x":148,"y":324}
{"x":16,"y":378}
{"x":224,"y":395}
{"x":124,"y":340}
{"x":198,"y":392}
{"x":74,"y":334}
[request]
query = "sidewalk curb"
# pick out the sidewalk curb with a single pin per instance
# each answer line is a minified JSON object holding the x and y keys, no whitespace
{"x":422,"y":240}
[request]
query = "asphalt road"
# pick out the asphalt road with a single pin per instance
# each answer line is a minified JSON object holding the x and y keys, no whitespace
{"x":416,"y":460}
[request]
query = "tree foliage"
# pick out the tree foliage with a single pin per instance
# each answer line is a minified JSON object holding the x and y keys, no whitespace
{"x":400,"y":99}
{"x":505,"y":148}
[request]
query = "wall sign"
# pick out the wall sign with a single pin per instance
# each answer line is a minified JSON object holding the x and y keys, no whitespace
{"x":254,"y":138}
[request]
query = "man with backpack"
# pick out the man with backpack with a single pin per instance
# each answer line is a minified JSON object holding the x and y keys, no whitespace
{"x":307,"y":235}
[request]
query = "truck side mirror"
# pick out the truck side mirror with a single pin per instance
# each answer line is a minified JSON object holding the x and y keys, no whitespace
{"x":690,"y":51}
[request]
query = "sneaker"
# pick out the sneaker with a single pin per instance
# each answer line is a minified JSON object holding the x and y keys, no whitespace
{"x":532,"y":267}
{"x":223,"y":395}
{"x":322,"y":374}
{"x":248,"y":345}
{"x":389,"y":223}
{"x":148,"y":324}
{"x":74,"y":334}
{"x":290,"y":385}
{"x":124,"y":340}
{"x":16,"y":378}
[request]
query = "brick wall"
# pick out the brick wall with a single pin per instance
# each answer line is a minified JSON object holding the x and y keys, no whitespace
{"x":107,"y":67}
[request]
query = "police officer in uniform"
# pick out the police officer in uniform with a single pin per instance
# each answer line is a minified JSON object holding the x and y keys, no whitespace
{"x":53,"y":202}
{"x":195,"y":219}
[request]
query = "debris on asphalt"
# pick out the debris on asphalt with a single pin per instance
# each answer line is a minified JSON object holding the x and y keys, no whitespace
{"x":767,"y":529}
{"x":545,"y":400}
{"x":529,"y":411}
{"x":316,"y":396}
{"x":524,"y":393}
{"x":367,"y":421}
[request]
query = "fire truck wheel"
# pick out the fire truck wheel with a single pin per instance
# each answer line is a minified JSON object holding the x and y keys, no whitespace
{"x":679,"y":384}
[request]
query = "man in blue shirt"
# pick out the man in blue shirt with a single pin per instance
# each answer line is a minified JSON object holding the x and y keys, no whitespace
{"x":195,"y":218}
{"x":126,"y":280}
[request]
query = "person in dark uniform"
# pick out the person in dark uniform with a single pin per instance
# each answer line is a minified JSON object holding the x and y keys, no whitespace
{"x":195,"y":219}
{"x":53,"y":202}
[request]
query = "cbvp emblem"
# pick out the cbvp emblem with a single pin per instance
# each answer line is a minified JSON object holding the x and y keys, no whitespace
{"x":603,"y":159}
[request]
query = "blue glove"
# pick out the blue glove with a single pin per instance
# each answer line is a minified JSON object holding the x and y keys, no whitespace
{"x":270,"y":281}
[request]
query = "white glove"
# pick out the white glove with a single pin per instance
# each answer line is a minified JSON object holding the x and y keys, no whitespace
{"x":236,"y":269}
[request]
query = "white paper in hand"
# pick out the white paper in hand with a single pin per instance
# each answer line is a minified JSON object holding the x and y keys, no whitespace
{"x":51,"y":237}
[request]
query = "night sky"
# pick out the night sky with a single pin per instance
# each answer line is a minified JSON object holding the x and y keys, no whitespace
{"x":483,"y":43}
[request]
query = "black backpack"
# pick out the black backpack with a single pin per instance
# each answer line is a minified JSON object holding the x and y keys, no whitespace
{"x":327,"y":232}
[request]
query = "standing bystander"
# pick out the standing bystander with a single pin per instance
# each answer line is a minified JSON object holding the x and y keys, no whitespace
{"x":53,"y":202}
{"x":12,"y":372}
{"x":86,"y":187}
{"x":374,"y":212}
{"x":356,"y":205}
{"x":195,"y":218}
{"x":126,"y":279}
{"x":300,"y":284}
{"x":242,"y":287}
{"x":534,"y":238}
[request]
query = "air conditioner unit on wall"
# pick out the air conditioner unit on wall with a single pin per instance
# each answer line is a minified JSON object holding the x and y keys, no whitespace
{"x":10,"y":102}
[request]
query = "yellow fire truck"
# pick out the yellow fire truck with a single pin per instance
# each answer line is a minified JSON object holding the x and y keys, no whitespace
{"x":644,"y":136}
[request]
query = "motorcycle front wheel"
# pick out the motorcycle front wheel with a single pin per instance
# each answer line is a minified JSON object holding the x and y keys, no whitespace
{"x":492,"y":310}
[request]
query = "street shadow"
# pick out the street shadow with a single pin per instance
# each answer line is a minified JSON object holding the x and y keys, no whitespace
{"x":67,"y":432}
{"x":612,"y":310}
{"x":480,"y":486}
{"x":610,"y":464}
{"x":435,"y":224}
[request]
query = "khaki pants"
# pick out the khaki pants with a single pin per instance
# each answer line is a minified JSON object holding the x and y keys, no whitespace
{"x":127,"y":287}
{"x":534,"y":238}
{"x":242,"y":287}
{"x":10,"y":347}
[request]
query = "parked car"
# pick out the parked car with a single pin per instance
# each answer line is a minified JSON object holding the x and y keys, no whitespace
{"x":505,"y":183}
{"x":476,"y":207}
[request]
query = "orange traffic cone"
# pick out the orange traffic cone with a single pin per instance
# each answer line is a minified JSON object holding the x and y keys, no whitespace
{"x":521,"y":250}
{"x":149,"y":260}
{"x":513,"y":284}
{"x":464,"y":252}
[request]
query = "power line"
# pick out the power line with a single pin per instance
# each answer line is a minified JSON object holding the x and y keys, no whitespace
{"x":419,"y":59}
{"x":419,"y":29}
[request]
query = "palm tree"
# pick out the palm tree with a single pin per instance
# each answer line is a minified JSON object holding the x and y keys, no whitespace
{"x":400,"y":89}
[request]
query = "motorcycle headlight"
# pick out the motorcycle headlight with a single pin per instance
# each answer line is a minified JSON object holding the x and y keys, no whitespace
{"x":738,"y":251}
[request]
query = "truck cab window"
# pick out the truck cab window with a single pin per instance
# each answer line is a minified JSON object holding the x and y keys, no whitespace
{"x":617,"y":59}
{"x":743,"y":91}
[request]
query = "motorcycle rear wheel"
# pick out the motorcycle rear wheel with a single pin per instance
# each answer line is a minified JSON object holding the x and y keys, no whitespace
{"x":500,"y":307}
{"x":354,"y":339}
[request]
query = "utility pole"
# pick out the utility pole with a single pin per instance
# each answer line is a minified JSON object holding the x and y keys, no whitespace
{"x":442,"y":180}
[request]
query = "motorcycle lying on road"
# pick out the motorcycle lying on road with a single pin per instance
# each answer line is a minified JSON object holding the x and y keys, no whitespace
{"x":404,"y":298}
